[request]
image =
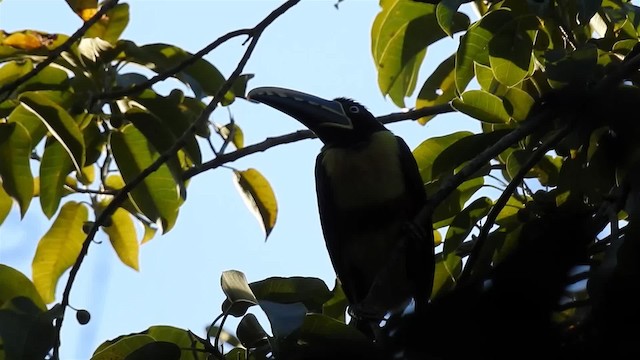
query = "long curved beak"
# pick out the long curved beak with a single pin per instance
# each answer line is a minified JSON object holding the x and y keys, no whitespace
{"x":312,"y":111}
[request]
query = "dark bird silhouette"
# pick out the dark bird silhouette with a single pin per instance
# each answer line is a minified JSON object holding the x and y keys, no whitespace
{"x":369,"y":191}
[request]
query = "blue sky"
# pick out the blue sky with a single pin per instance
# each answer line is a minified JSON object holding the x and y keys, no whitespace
{"x":313,"y":48}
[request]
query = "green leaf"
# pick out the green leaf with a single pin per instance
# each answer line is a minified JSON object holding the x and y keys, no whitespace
{"x":400,"y":35}
{"x":239,"y":87}
{"x":518,"y":103}
{"x":427,"y":152}
{"x":439,"y":88}
{"x":159,"y":350}
{"x":576,"y":67}
{"x":258,"y":196}
{"x":59,"y":248}
{"x":54,"y":168}
{"x":172,"y":115}
{"x":510,"y":56}
{"x":336,"y":306}
{"x":123,"y":238}
{"x":444,"y":277}
{"x":454,"y":203}
{"x":111,"y":26}
{"x":250,"y":333}
{"x":35,"y":128}
{"x":180,"y":337}
{"x":202,"y":77}
{"x":463,"y":150}
{"x":59,"y":123}
{"x":5,"y":204}
{"x":474,"y":45}
{"x":13,"y":284}
{"x":14,"y":70}
{"x":239,"y":295}
{"x":445,"y":11}
{"x":159,"y":136}
{"x":26,"y":331}
{"x":121,"y":348}
{"x":312,"y":292}
{"x":319,"y":326}
{"x":15,"y":170}
{"x":482,"y":106}
{"x":461,"y":226}
{"x":156,"y":196}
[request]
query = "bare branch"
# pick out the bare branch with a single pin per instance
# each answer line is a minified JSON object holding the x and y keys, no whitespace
{"x":301,"y":135}
{"x":137,"y":88}
{"x":7,"y":89}
{"x":122,"y":195}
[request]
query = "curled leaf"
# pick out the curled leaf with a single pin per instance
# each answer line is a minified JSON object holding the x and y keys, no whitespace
{"x":258,"y":196}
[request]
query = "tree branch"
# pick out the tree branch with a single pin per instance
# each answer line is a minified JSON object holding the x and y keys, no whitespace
{"x":10,"y":87}
{"x":504,"y":198}
{"x":122,"y":195}
{"x":137,"y":88}
{"x":450,"y":184}
{"x":302,"y":135}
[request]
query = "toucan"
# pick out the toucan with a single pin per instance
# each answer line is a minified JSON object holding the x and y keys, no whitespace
{"x":369,"y":190}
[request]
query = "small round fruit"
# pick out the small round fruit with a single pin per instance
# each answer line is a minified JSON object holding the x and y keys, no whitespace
{"x":83,"y":316}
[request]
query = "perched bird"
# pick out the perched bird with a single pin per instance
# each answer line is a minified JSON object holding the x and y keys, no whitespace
{"x":369,"y":191}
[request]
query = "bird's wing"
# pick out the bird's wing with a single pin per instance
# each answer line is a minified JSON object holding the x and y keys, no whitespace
{"x":420,"y":247}
{"x":330,"y":218}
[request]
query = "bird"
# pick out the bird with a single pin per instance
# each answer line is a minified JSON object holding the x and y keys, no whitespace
{"x":369,"y":190}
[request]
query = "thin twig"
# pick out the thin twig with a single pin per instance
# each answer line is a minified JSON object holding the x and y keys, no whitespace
{"x":123,"y":193}
{"x":10,"y":87}
{"x":504,"y":198}
{"x":137,"y":88}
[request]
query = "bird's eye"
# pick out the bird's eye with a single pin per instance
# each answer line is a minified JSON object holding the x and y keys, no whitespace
{"x":354,"y":109}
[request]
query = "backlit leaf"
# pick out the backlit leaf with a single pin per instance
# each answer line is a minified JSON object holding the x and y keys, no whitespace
{"x":13,"y":283}
{"x":439,"y":88}
{"x":482,"y":106}
{"x":233,"y":130}
{"x":202,"y":77}
{"x":5,"y":204}
{"x":59,"y":123}
{"x":84,"y":8}
{"x":54,"y":168}
{"x":239,"y":295}
{"x":120,"y":349}
{"x":110,"y":26}
{"x":123,"y":238}
{"x":259,"y":197}
{"x":59,"y":248}
{"x":15,"y":170}
{"x":474,"y":45}
{"x":400,"y":35}
{"x":157,"y":195}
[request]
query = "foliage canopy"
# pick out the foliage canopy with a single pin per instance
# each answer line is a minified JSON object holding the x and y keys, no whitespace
{"x":553,"y":84}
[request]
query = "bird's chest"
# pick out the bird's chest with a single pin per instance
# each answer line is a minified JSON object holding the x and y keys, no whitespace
{"x":365,"y":176}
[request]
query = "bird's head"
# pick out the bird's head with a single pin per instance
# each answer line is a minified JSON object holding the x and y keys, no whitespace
{"x":339,"y":122}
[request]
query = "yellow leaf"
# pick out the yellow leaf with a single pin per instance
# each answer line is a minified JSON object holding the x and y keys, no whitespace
{"x":86,"y":14}
{"x":122,"y":235}
{"x":149,"y":233}
{"x":259,"y":197}
{"x":28,"y":39}
{"x":59,"y":248}
{"x":235,"y":132}
{"x":88,"y":175}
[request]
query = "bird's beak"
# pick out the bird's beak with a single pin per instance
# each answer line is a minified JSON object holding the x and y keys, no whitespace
{"x":312,"y":111}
